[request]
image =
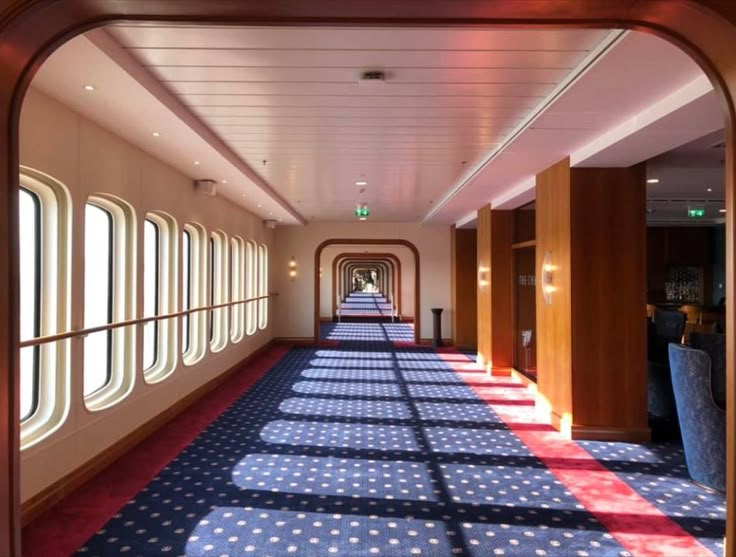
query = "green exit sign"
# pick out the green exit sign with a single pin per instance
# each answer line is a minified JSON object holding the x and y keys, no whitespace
{"x":362,"y":212}
{"x":696,"y":213}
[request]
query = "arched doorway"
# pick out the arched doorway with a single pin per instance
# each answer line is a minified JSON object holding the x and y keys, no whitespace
{"x":367,"y":242}
{"x":369,"y":257}
{"x":31,"y":30}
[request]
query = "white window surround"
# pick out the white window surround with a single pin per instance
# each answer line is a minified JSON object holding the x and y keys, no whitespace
{"x":198,"y":285}
{"x":237,"y":288}
{"x":219,"y":293}
{"x":123,"y":349}
{"x":167,"y":354}
{"x":54,"y":382}
{"x":262,"y":286}
{"x":251,"y":287}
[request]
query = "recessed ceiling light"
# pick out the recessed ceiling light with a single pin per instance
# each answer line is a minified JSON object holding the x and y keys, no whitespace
{"x":281,"y":220}
{"x":709,"y":189}
{"x":196,"y":163}
{"x":363,"y":218}
{"x":89,"y":87}
{"x":361,"y":183}
{"x":653,"y":181}
{"x":225,"y":182}
{"x":721,"y":210}
{"x":259,"y":205}
{"x":156,"y":134}
{"x":270,"y":212}
{"x":243,"y":195}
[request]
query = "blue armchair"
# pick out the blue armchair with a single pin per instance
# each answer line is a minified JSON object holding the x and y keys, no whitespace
{"x":702,"y":422}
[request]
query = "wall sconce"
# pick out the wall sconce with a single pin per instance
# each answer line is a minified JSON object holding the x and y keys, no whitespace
{"x":483,"y":277}
{"x":292,"y":268}
{"x":548,"y":270}
{"x":320,"y":272}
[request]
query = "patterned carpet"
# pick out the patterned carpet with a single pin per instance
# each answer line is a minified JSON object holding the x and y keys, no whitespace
{"x":373,"y":449}
{"x":365,"y":304}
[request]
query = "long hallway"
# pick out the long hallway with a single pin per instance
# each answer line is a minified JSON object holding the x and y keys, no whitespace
{"x":375,"y":447}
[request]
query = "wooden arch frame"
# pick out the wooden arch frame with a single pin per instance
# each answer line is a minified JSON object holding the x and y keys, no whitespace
{"x":369,"y":256}
{"x":30,"y":30}
{"x":366,"y":242}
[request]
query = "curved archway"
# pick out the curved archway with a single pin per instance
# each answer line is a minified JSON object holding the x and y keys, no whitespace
{"x":369,"y":256}
{"x":32,"y":29}
{"x":347,"y":269}
{"x":367,"y":242}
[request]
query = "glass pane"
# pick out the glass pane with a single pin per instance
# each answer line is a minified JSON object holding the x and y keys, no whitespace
{"x":186,"y":286}
{"x":150,"y":292}
{"x":97,"y":296}
{"x":30,"y":298}
{"x":211,"y":274}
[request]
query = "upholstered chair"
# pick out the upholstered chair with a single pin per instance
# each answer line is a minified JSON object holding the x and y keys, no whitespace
{"x":702,"y":422}
{"x":714,"y":345}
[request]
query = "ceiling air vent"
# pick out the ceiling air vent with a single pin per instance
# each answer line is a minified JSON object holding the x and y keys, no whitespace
{"x":372,"y":78}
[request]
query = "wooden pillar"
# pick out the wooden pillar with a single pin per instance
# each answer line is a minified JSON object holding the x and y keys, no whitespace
{"x":502,"y":291}
{"x":483,"y":280}
{"x":591,"y":341}
{"x":464,"y":296}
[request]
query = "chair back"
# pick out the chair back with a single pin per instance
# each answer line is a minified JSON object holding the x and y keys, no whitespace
{"x":702,"y":423}
{"x":714,"y":345}
{"x":669,"y":325}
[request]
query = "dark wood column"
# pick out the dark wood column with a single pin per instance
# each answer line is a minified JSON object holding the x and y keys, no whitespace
{"x":464,"y":295}
{"x":591,"y":344}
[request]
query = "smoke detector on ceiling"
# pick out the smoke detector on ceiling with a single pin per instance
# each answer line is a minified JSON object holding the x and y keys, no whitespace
{"x":372,"y":78}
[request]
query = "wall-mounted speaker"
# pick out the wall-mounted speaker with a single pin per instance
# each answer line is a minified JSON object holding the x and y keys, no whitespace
{"x":206,"y":187}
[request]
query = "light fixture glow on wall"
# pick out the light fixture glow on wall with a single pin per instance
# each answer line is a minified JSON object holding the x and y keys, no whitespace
{"x":483,"y":280}
{"x":548,"y":269}
{"x":292,"y":268}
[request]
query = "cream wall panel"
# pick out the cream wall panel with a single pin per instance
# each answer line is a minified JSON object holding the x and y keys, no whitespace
{"x":89,"y":159}
{"x":295,"y":307}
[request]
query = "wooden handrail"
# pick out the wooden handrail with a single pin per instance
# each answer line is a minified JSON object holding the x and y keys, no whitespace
{"x":141,"y":321}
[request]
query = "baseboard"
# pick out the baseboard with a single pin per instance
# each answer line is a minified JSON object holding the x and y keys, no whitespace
{"x":48,"y":497}
{"x":597,"y":433}
{"x":298,"y":341}
{"x":528,"y":383}
{"x":325,"y":320}
{"x":501,"y":371}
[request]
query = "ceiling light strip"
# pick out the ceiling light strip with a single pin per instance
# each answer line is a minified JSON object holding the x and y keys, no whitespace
{"x":108,"y":45}
{"x":602,"y":48}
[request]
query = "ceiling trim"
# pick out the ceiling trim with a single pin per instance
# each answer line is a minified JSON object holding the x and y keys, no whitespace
{"x":107,"y":44}
{"x":596,"y":54}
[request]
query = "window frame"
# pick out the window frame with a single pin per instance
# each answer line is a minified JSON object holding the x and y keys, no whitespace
{"x":237,"y":288}
{"x":54,"y":307}
{"x":262,"y":286}
{"x":219,"y":292}
{"x":166,"y":338}
{"x":123,"y":353}
{"x":196,"y":296}
{"x":251,"y":288}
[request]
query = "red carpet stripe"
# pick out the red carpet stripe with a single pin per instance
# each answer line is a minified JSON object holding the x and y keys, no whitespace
{"x":637,"y":524}
{"x":68,"y":525}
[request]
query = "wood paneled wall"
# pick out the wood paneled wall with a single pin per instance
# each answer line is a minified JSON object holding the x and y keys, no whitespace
{"x":483,"y":279}
{"x":464,"y":296}
{"x":609,"y":303}
{"x":554,"y":328}
{"x":591,"y":341}
{"x":502,"y":289}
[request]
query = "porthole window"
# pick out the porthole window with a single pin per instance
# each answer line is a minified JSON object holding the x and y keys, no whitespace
{"x":262,"y":286}
{"x":194,"y":292}
{"x":237,"y":289}
{"x":109,"y":297}
{"x":159,"y":295}
{"x":219,"y":290}
{"x":44,"y":211}
{"x":251,"y":288}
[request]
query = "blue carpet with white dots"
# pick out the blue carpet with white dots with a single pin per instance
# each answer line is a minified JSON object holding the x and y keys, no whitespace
{"x":367,"y":449}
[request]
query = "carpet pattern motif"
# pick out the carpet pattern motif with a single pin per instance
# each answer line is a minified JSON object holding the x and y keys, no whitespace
{"x":375,"y":449}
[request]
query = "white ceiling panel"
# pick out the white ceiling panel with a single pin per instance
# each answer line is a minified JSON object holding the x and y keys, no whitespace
{"x":289,"y":104}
